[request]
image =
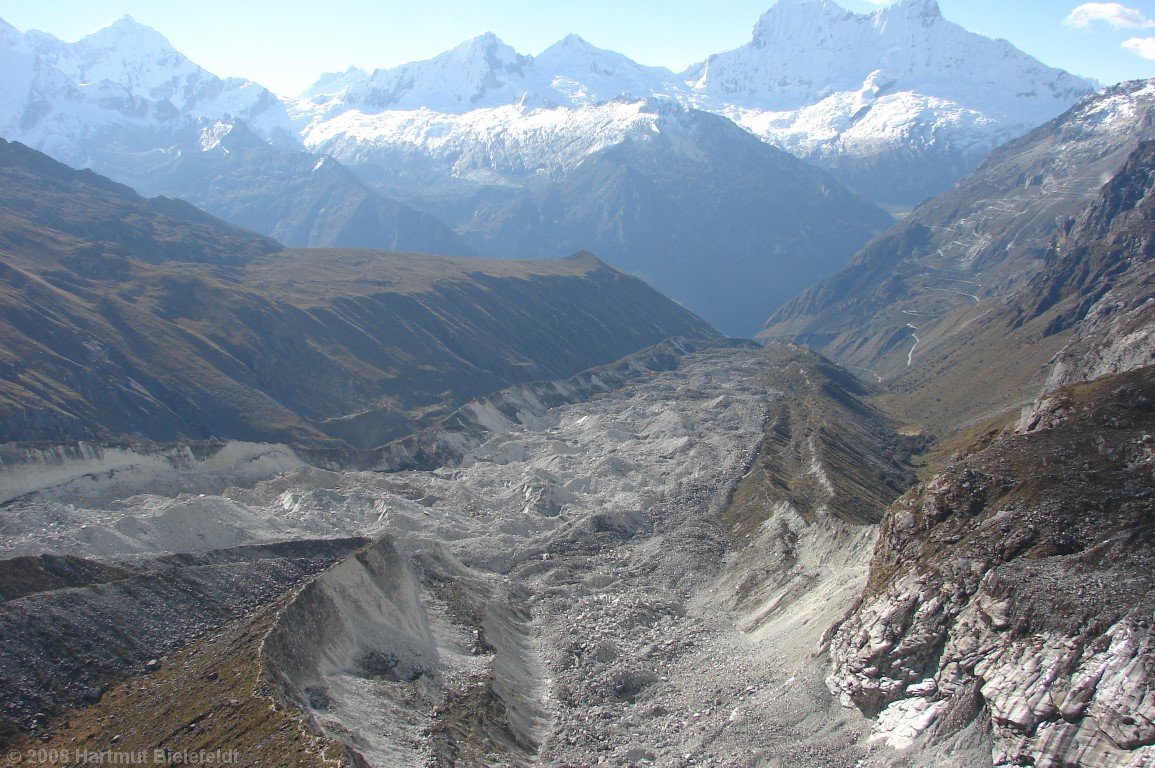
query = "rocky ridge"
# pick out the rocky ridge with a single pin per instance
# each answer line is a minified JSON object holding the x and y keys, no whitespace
{"x":1008,"y":608}
{"x":67,"y":644}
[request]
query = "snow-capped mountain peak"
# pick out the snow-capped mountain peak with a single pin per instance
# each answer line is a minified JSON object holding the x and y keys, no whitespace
{"x":486,"y":49}
{"x":484,"y":72}
{"x":574,"y":72}
{"x":132,"y":55}
{"x":120,"y":79}
{"x":480,"y":71}
{"x":802,"y":51}
{"x":832,"y":86}
{"x":791,"y":19}
{"x":333,"y":84}
{"x":128,"y":36}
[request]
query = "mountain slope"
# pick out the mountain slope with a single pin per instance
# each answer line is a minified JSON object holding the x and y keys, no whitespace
{"x":948,"y":269}
{"x":1010,"y":595}
{"x":51,"y":213}
{"x":708,"y":214}
{"x":300,"y":199}
{"x":1009,"y":600}
{"x":1087,"y":314}
{"x":107,"y":334}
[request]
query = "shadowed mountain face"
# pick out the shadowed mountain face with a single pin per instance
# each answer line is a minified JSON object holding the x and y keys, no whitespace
{"x":52,"y":213}
{"x":130,"y":316}
{"x":708,"y":214}
{"x":300,"y":199}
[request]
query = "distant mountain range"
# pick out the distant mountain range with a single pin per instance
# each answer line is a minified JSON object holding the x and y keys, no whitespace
{"x":898,"y":103}
{"x":482,"y":150}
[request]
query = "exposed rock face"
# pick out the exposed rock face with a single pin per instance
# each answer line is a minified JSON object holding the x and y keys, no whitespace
{"x":1018,"y":586}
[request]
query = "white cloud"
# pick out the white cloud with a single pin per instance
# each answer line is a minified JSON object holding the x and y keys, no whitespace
{"x":1141,"y":46}
{"x":1117,"y":15}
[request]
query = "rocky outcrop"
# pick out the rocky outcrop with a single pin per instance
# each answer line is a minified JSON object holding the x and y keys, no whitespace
{"x":1017,"y":586}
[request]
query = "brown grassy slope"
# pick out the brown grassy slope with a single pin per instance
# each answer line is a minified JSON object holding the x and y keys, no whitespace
{"x":125,"y":316}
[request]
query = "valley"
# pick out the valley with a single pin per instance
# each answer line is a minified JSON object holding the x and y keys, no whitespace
{"x":573,"y":565}
{"x":433,"y":437}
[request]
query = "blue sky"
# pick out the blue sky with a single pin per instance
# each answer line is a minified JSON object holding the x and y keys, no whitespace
{"x":286,"y":45}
